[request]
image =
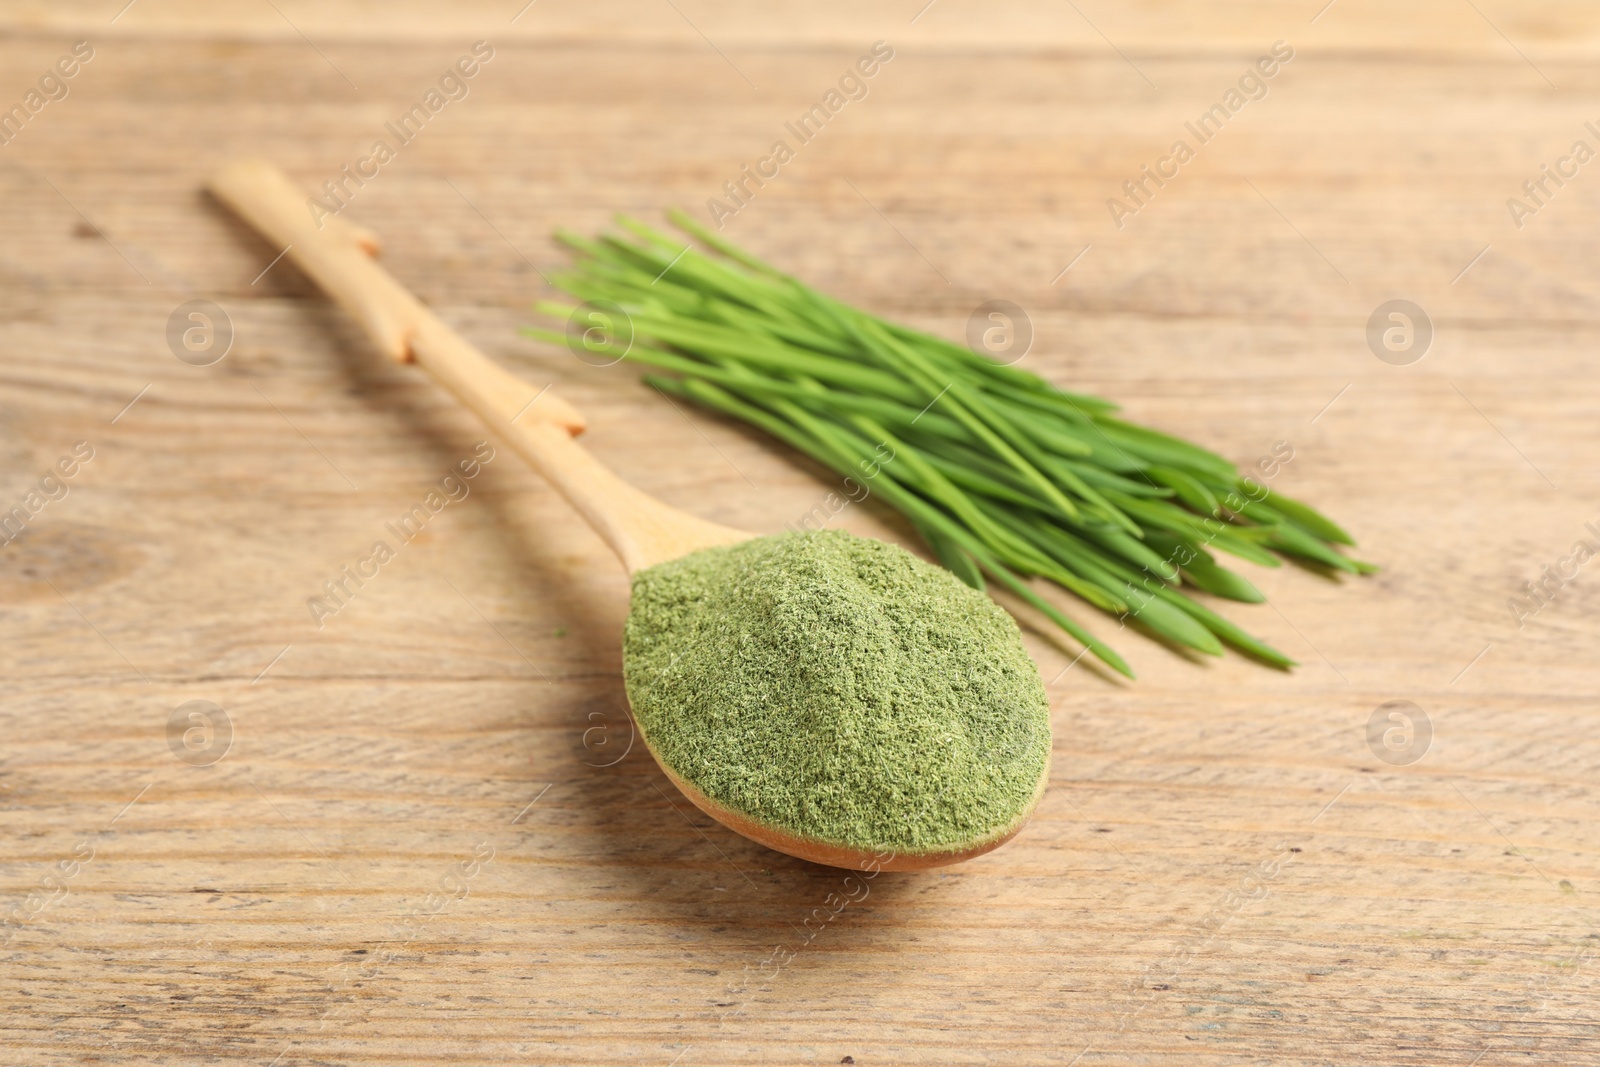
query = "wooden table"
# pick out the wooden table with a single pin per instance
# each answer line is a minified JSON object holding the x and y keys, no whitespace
{"x":415,"y":833}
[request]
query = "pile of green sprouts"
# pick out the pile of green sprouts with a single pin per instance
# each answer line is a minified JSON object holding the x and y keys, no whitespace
{"x":1001,"y":473}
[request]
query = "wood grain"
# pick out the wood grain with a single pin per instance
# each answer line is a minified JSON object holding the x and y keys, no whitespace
{"x":1222,"y":869}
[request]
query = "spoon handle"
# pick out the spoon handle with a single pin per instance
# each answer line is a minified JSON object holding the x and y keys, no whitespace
{"x":338,"y":255}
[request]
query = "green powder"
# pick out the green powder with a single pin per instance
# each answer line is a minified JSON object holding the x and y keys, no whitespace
{"x":839,"y":688}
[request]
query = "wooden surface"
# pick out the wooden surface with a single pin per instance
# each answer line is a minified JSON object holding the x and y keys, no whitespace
{"x":422,"y":846}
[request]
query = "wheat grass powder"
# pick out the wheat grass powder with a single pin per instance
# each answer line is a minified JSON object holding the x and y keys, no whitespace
{"x":840,"y":688}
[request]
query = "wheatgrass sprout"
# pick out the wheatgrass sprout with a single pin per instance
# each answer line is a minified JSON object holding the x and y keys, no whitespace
{"x":1005,"y":476}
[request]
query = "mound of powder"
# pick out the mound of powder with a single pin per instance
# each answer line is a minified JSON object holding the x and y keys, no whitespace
{"x":840,"y":688}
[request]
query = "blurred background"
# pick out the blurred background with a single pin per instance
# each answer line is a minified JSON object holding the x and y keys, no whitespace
{"x":420,"y":831}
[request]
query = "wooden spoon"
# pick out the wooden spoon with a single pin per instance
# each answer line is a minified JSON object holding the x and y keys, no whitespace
{"x":641,"y":530}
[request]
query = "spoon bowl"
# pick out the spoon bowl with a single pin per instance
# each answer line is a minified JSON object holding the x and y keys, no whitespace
{"x":781,"y":840}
